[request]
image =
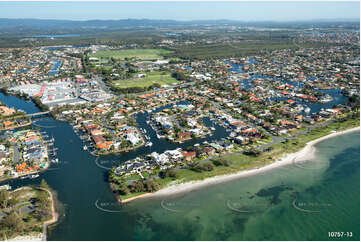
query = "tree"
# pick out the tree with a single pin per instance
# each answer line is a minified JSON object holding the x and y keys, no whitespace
{"x":43,"y":184}
{"x":151,"y":186}
{"x":207,"y":167}
{"x":12,"y":202}
{"x":137,"y":186}
{"x":4,"y":197}
{"x":220,"y":162}
{"x":255,"y":152}
{"x":168,"y":173}
{"x":13,"y":222}
{"x":123,"y":189}
{"x":179,"y":76}
{"x":42,"y":199}
{"x":40,"y":213}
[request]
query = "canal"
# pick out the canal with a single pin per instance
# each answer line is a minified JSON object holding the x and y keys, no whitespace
{"x":80,"y":178}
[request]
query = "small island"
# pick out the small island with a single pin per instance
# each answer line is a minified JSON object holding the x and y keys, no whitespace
{"x":25,"y":212}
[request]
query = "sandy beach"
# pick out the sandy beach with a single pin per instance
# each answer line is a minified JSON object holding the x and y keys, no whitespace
{"x":30,"y":237}
{"x":306,"y":153}
{"x":136,"y":197}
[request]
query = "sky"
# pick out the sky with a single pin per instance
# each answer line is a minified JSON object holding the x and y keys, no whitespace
{"x":245,"y":11}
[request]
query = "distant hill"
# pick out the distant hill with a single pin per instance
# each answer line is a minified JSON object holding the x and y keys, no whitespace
{"x":25,"y":27}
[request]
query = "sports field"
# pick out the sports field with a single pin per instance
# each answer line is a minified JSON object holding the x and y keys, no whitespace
{"x":151,"y":78}
{"x":140,"y":54}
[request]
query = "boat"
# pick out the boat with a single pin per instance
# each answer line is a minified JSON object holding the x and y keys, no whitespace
{"x":85,"y":147}
{"x":299,"y":108}
{"x":5,"y":187}
{"x":326,"y":98}
{"x":34,"y":176}
{"x":24,"y":177}
{"x":213,"y":128}
{"x":148,"y":144}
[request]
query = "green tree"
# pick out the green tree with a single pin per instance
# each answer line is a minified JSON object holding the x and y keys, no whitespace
{"x":220,"y":162}
{"x":207,"y":167}
{"x":4,"y":198}
{"x":13,"y":222}
{"x":123,"y":189}
{"x":150,"y":186}
{"x":137,"y":186}
{"x":179,"y":75}
{"x":43,"y":184}
{"x":168,"y":173}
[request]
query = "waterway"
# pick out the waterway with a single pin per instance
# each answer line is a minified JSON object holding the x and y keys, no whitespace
{"x":254,"y":208}
{"x":56,"y":66}
{"x":337,"y":97}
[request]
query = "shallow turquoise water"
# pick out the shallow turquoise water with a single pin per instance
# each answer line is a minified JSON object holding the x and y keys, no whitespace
{"x":264,"y":207}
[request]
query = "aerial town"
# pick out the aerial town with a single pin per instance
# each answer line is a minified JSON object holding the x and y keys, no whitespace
{"x":189,"y":121}
{"x":255,"y":101}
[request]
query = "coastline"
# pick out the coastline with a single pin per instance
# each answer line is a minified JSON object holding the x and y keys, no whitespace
{"x":137,"y":197}
{"x":54,"y":215}
{"x":306,"y":152}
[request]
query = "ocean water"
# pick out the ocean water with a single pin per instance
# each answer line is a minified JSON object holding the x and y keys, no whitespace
{"x":296,"y":202}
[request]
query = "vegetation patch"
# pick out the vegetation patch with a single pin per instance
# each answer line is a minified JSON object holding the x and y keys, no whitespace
{"x":140,"y":54}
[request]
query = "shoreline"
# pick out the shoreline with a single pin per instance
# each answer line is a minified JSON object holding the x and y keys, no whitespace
{"x":305,"y":153}
{"x":45,"y":168}
{"x":137,"y":197}
{"x":54,"y":215}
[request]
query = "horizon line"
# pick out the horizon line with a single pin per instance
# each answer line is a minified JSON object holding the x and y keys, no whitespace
{"x":192,"y":20}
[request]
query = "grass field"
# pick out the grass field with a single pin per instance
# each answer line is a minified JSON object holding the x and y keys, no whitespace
{"x":151,"y":78}
{"x":140,"y":54}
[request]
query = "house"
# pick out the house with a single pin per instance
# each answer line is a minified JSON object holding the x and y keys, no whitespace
{"x":209,"y":150}
{"x":240,"y":139}
{"x":188,"y":155}
{"x":184,"y":135}
{"x":98,"y":139}
{"x":132,"y":138}
{"x":228,"y":146}
{"x":160,"y":158}
{"x":299,"y":118}
{"x":5,"y":111}
{"x":216,"y":146}
{"x":8,"y":124}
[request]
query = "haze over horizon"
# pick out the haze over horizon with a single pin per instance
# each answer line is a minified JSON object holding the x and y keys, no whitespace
{"x":182,"y":11}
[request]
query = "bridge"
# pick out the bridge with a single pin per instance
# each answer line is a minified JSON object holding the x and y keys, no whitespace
{"x":37,"y":114}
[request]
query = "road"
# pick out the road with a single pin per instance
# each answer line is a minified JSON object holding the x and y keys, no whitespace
{"x":22,"y":210}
